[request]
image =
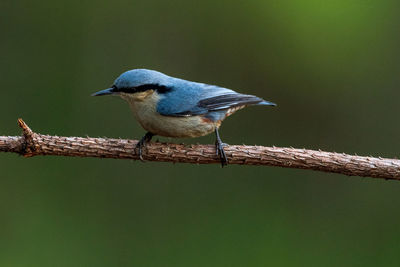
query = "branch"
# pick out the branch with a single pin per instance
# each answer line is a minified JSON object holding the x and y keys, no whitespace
{"x":32,"y":144}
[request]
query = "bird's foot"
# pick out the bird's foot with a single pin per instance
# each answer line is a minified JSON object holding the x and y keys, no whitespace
{"x":221,"y":152}
{"x":139,"y":148}
{"x":142,"y":143}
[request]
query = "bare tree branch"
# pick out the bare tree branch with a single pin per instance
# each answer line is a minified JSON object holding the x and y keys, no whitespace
{"x":32,"y":144}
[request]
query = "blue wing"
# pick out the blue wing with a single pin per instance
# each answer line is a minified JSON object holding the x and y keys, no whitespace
{"x":189,"y":99}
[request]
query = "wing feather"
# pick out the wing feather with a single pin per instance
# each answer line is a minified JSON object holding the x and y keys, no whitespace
{"x":190,"y":99}
{"x":228,"y":101}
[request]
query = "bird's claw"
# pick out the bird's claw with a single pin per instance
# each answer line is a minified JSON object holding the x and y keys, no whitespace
{"x":221,"y":152}
{"x":139,"y":146}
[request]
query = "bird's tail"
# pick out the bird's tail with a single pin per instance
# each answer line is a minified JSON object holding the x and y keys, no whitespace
{"x":266,"y":103}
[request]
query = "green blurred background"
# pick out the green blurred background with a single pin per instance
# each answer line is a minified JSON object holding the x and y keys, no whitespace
{"x":333,"y":68}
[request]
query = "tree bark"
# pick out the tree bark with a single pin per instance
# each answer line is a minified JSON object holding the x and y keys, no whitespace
{"x":32,"y":144}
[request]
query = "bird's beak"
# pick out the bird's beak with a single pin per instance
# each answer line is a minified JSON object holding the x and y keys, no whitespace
{"x":108,"y":91}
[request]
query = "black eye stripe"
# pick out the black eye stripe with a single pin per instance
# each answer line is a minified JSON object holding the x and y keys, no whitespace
{"x":142,"y":88}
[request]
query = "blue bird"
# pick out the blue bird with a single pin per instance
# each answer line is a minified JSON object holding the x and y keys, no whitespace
{"x":173,"y":107}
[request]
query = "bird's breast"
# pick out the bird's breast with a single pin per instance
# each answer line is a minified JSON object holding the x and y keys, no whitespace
{"x":144,"y":108}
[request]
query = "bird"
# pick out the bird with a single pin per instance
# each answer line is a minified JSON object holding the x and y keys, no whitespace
{"x":173,"y":107}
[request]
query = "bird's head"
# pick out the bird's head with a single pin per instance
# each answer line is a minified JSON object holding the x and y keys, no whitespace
{"x":137,"y":81}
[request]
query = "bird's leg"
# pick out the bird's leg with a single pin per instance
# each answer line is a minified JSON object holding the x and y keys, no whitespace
{"x":145,"y":139}
{"x":220,"y":149}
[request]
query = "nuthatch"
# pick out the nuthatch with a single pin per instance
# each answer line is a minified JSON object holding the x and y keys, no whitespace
{"x":173,"y":107}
